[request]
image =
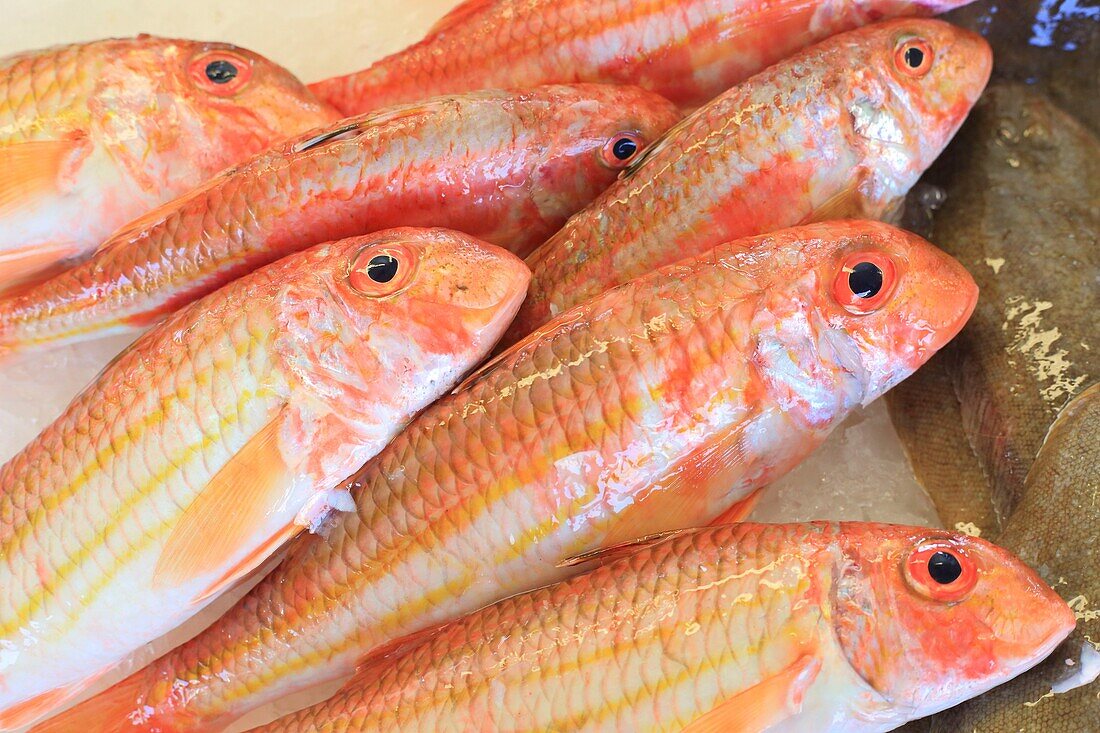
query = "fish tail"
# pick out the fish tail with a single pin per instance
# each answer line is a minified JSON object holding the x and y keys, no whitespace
{"x":115,"y":710}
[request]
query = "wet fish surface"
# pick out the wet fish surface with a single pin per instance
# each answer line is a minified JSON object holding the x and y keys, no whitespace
{"x":689,"y":51}
{"x":842,"y":129}
{"x":505,"y":167}
{"x":659,"y":405}
{"x":94,"y":134}
{"x":218,"y":436}
{"x":804,"y":628}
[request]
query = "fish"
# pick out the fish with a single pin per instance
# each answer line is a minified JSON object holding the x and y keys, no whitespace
{"x":840,"y":130}
{"x":507,"y":167}
{"x":689,"y":51}
{"x":94,"y":134}
{"x":805,"y":628}
{"x":1055,"y":529}
{"x":1022,"y":184}
{"x":218,"y":436}
{"x":665,"y":403}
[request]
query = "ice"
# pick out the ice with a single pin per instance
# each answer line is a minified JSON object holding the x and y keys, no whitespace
{"x":860,"y":474}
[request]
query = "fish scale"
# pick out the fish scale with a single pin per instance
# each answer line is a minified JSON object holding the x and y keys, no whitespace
{"x":668,"y":632}
{"x":650,"y":407}
{"x":92,"y":558}
{"x":835,"y":131}
{"x":687,"y":50}
{"x":506,"y":167}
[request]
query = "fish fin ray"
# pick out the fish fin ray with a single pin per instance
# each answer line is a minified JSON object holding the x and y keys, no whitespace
{"x":253,"y":480}
{"x":740,"y":511}
{"x":847,"y":203}
{"x":22,"y":269}
{"x":28,"y":711}
{"x":612,"y":553}
{"x":680,"y":497}
{"x":110,"y":710}
{"x":30,"y":169}
{"x":764,"y":705}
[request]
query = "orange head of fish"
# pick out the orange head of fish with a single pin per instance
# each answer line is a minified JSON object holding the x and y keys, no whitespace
{"x":917,"y":82}
{"x":929,"y":618}
{"x":585,"y":136}
{"x":896,"y":298}
{"x":414,"y":309}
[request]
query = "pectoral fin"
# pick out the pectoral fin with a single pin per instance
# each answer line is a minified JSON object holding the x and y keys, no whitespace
{"x":460,"y":13}
{"x":226,"y":516}
{"x":847,"y":203}
{"x":23,"y":268}
{"x":31,"y":170}
{"x":765,"y":705}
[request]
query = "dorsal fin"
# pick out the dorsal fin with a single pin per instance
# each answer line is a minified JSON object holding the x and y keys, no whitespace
{"x":460,"y":13}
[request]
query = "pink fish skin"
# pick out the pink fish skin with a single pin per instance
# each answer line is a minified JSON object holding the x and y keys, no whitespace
{"x":221,"y":434}
{"x":842,"y":129}
{"x":506,"y":167}
{"x":658,"y":405}
{"x":689,"y":51}
{"x":95,"y":134}
{"x":804,"y":628}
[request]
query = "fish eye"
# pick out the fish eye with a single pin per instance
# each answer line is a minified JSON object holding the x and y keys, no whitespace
{"x":941,"y":571}
{"x":379,"y":270}
{"x":913,"y":57}
{"x":864,"y":282}
{"x":221,"y":73}
{"x":621,"y":150}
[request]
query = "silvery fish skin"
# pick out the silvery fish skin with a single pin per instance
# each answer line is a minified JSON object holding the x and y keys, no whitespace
{"x":841,"y":129}
{"x":218,"y":436}
{"x":507,"y":167}
{"x":658,"y":405}
{"x":95,"y":134}
{"x":804,"y":628}
{"x":1056,"y":530}
{"x":689,"y":51}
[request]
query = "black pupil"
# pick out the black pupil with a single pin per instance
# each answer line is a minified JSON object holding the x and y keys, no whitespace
{"x":382,"y":268}
{"x":624,"y":148}
{"x":944,"y":568}
{"x":865,"y":280}
{"x":221,"y":71}
{"x":914,"y":57}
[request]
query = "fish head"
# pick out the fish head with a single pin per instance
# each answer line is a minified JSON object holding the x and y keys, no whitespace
{"x":917,"y":81}
{"x":176,"y":111}
{"x":890,"y":296}
{"x":929,"y":618}
{"x":411,"y":308}
{"x":584,"y":136}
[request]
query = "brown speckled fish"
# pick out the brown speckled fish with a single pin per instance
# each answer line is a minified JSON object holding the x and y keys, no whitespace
{"x":220,"y":434}
{"x":657,"y":405}
{"x":506,"y":167}
{"x":800,"y":628}
{"x":844,"y":128}
{"x":95,"y":134}
{"x":687,"y":50}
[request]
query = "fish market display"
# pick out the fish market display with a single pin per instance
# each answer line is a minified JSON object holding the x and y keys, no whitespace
{"x":689,"y":51}
{"x":1032,"y":240}
{"x":662,"y":404}
{"x":218,"y":436}
{"x":95,"y":134}
{"x":507,"y":167}
{"x":844,"y":128}
{"x":801,"y":627}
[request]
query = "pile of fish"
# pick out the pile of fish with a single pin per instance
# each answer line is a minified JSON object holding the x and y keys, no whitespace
{"x":470,"y":491}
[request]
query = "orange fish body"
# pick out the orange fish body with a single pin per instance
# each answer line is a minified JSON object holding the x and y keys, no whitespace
{"x":843,"y":129}
{"x":657,"y":405}
{"x":95,"y":134}
{"x":804,"y":628}
{"x":217,"y":436}
{"x":689,"y":51}
{"x":506,"y":167}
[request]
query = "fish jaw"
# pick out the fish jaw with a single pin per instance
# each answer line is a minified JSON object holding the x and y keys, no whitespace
{"x":923,"y":654}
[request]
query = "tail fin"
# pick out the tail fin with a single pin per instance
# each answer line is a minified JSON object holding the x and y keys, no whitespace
{"x":117,"y":709}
